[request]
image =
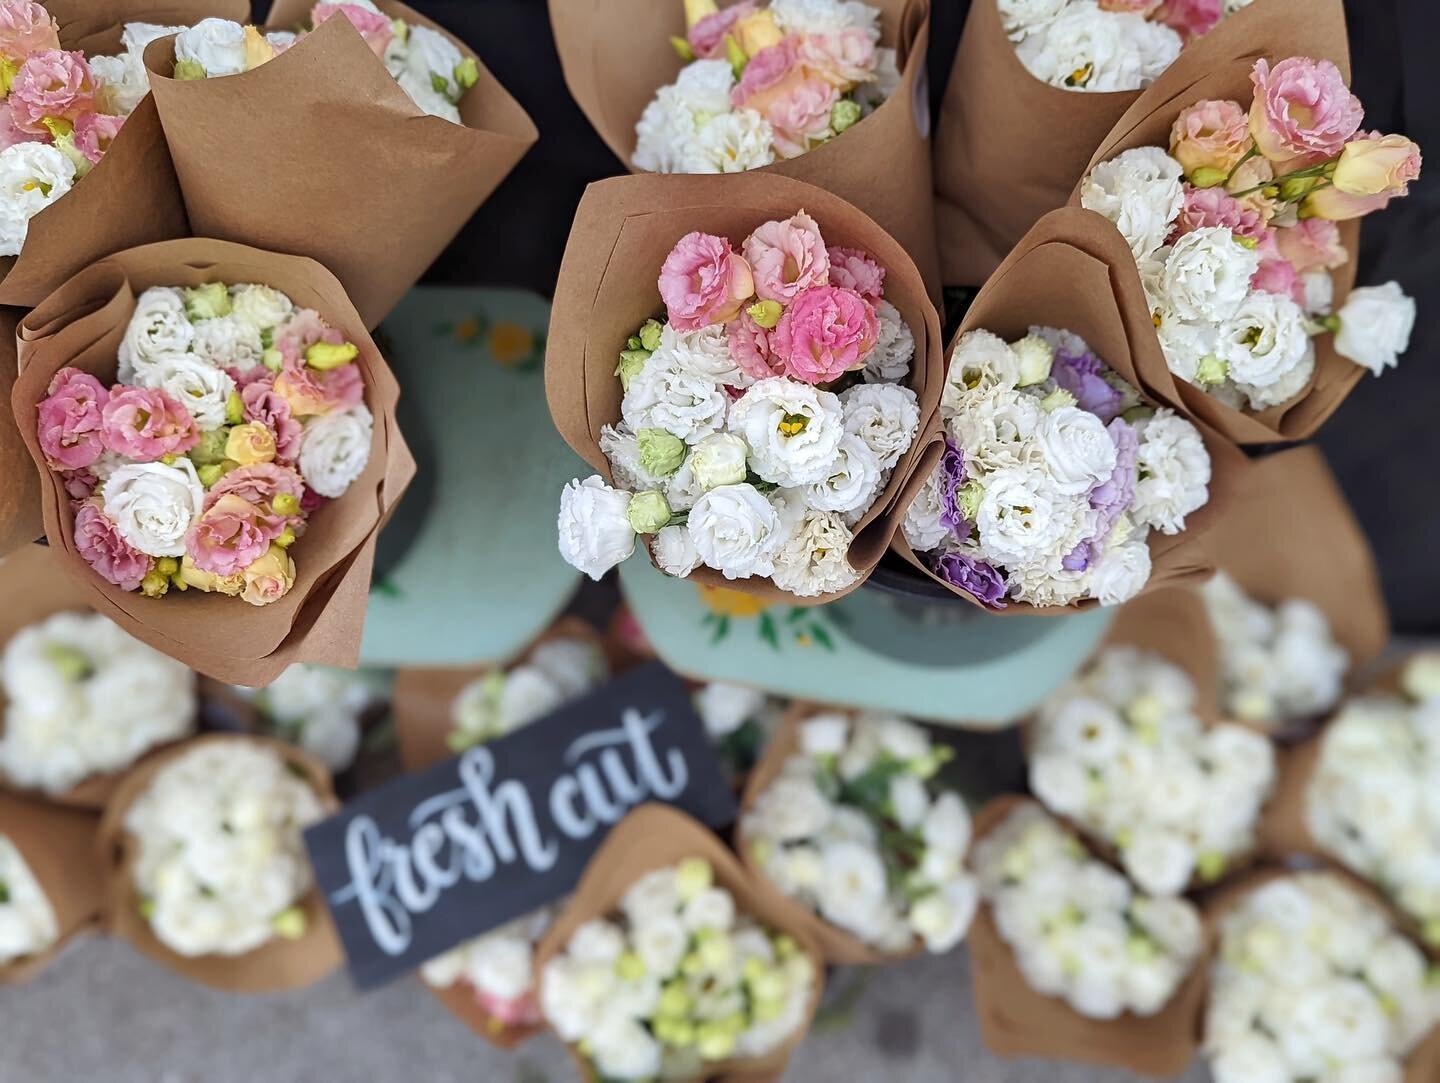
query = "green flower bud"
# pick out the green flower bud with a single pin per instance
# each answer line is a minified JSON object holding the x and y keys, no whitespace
{"x":630,"y":967}
{"x":661,"y":453}
{"x":649,"y":335}
{"x":290,"y":924}
{"x":467,"y":73}
{"x":286,"y":538}
{"x":72,"y":665}
{"x":1035,"y":356}
{"x":766,"y":314}
{"x":325,"y":356}
{"x":1247,"y":242}
{"x":210,"y":473}
{"x":1207,"y":176}
{"x":154,"y":585}
{"x":1057,"y":400}
{"x":65,"y":143}
{"x":735,"y":55}
{"x":1296,"y":188}
{"x":682,"y":48}
{"x":631,"y":362}
{"x":1210,"y":865}
{"x":211,"y":448}
{"x":272,"y":359}
{"x":146,"y":908}
{"x":1211,"y":370}
{"x":844,"y":114}
{"x":207,"y":302}
{"x":968,"y":498}
{"x":1137,"y":414}
{"x":402,"y":30}
{"x":234,"y":409}
{"x":649,"y":512}
{"x":285,"y":503}
{"x":693,"y":877}
{"x":720,"y":459}
{"x":189,"y":70}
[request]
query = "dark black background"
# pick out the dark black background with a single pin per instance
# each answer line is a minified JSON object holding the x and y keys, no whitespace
{"x":1384,"y":442}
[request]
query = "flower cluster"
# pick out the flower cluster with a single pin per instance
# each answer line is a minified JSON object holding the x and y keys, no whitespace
{"x":235,"y":416}
{"x":760,"y":421}
{"x":1054,"y":475}
{"x":739,"y":721}
{"x":1078,"y":929}
{"x":84,"y":698}
{"x":677,"y":981}
{"x":428,"y":65}
{"x":1276,"y":665}
{"x":499,"y":967}
{"x":27,"y":920}
{"x":1234,"y":232}
{"x":1311,"y":983}
{"x":220,"y":864}
{"x":765,"y":81}
{"x":852,"y":829}
{"x":59,"y":111}
{"x":1373,"y":800}
{"x":317,"y":708}
{"x":503,"y":700}
{"x":1120,"y":751}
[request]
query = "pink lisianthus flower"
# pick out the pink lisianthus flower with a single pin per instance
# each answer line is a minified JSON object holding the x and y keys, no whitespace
{"x":788,"y":257}
{"x":146,"y":424}
{"x":94,"y":132}
{"x":707,"y":36}
{"x":853,"y":269}
{"x":227,"y":538}
{"x":312,"y":502}
{"x":1277,"y":275}
{"x":262,"y":404}
{"x":794,"y":99}
{"x":1215,"y":207}
{"x":1303,"y":112}
{"x":842,"y":59}
{"x":1312,"y":244}
{"x":826,"y":332}
{"x":704,"y":281}
{"x":259,"y":485}
{"x":521,"y":1011}
{"x":10,"y":134}
{"x":750,"y":348}
{"x":56,"y":85}
{"x":376,"y":29}
{"x":79,"y":484}
{"x":71,"y":419}
{"x":99,"y":542}
{"x":1191,"y":18}
{"x":303,"y":330}
{"x":26,"y":28}
{"x":1210,"y":134}
{"x":308,"y":392}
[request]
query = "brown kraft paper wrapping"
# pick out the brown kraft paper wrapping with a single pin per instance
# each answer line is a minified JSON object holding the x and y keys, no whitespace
{"x":276,"y":964}
{"x":1065,"y":274}
{"x":321,"y":618}
{"x":1291,"y":534}
{"x":361,"y":180}
{"x":20,"y":520}
{"x":132,"y":196}
{"x":1018,"y":1021}
{"x":839,"y":946}
{"x":1274,"y":30}
{"x":1423,"y":1063}
{"x":624,"y":228}
{"x":616,"y":54}
{"x":654,"y":837}
{"x":59,"y":846}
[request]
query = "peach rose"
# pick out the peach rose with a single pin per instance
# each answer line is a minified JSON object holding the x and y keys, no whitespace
{"x":269,"y":578}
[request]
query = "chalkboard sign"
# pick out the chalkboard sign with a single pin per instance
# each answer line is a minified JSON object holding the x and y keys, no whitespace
{"x":416,"y":866}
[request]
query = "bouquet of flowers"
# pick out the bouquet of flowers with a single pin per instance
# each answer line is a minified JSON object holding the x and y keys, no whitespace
{"x":677,"y":979}
{"x":318,"y":708}
{"x":1277,"y":664}
{"x":1310,"y":981}
{"x":1053,"y":476}
{"x":1122,"y":752}
{"x":843,"y":818}
{"x":28,"y":926}
{"x":1236,"y":229}
{"x":761,"y":420}
{"x":82,"y":698}
{"x":1077,"y":928}
{"x":489,"y":980}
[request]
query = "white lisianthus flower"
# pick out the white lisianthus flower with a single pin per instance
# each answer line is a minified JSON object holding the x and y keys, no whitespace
{"x":595,"y":531}
{"x":719,"y":459}
{"x":667,"y":394}
{"x":332,"y":736}
{"x":431,"y":55}
{"x":204,"y":389}
{"x":1206,"y":275}
{"x":621,"y":447}
{"x":1077,"y":449}
{"x":705,"y":352}
{"x":154,"y":505}
{"x":1263,"y":340}
{"x":1140,"y":191}
{"x":1186,"y":345}
{"x":942,"y":918}
{"x":675,"y":551}
{"x":790,"y":809}
{"x":820,"y":16}
{"x":1375,"y":326}
{"x":228,"y":341}
{"x":1121,"y":572}
{"x":28,"y":925}
{"x":814,"y":560}
{"x":121,"y":82}
{"x":32,"y":176}
{"x":824,"y":735}
{"x":1292,"y":383}
{"x":1087,"y":49}
{"x":853,"y":884}
{"x":853,"y":482}
{"x":217,"y":45}
{"x":426,"y":98}
{"x":1159,"y":862}
{"x":1174,"y":472}
{"x":136,"y":36}
{"x":980,"y":363}
{"x":731,"y":142}
{"x":736,"y":531}
{"x":664,"y":133}
{"x":922,"y":526}
{"x":889,"y":362}
{"x":885,"y":416}
{"x":724,"y":707}
{"x":335,"y":448}
{"x":158,"y":328}
{"x":259,"y":306}
{"x":1319,"y":292}
{"x":793,"y":429}
{"x":1021,"y":18}
{"x":1022,"y":515}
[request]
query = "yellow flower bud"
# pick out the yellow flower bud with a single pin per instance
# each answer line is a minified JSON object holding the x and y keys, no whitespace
{"x":1207,"y":176}
{"x":257,"y":49}
{"x":290,"y":924}
{"x":234,"y":408}
{"x":766,"y":314}
{"x":154,"y":585}
{"x":325,"y":355}
{"x":285,"y":504}
{"x":189,"y":70}
{"x":693,"y":877}
{"x":695,"y":10}
{"x":167,"y":566}
{"x":286,"y":538}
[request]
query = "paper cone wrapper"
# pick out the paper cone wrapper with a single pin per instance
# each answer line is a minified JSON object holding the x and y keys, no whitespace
{"x":1018,"y":1021}
{"x":1275,"y":29}
{"x":422,"y":697}
{"x":1291,"y":534}
{"x":20,"y":519}
{"x":624,"y":229}
{"x":1423,"y":1063}
{"x":276,"y":964}
{"x":320,"y":153}
{"x":322,"y":617}
{"x":1066,"y":273}
{"x":616,"y":54}
{"x":59,"y":846}
{"x":839,"y":946}
{"x":655,"y":837}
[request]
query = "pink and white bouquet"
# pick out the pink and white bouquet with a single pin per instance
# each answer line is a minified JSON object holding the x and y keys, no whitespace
{"x":427,"y":64}
{"x":761,"y":419}
{"x":765,"y":82}
{"x":1234,"y":230}
{"x":235,"y":415}
{"x":1054,"y":474}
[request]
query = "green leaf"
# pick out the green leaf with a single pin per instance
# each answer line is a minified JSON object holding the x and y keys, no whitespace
{"x":386,"y":587}
{"x":871,"y":790}
{"x":767,"y":631}
{"x":822,"y":636}
{"x":722,"y":629}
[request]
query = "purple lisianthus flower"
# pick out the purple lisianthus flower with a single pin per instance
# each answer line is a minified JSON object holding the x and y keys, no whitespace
{"x":1083,"y":375}
{"x":952,"y":476}
{"x":981,"y":581}
{"x":1112,"y":498}
{"x":1080,"y":558}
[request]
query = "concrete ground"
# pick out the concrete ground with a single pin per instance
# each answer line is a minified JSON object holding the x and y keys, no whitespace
{"x":103,"y":1013}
